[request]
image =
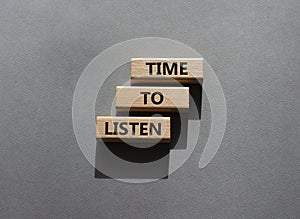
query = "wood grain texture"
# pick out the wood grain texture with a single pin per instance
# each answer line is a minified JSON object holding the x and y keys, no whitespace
{"x":138,"y":129}
{"x":160,"y":99}
{"x":168,"y":70}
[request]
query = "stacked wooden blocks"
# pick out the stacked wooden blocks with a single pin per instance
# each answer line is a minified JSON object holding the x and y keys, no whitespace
{"x":155,"y":89}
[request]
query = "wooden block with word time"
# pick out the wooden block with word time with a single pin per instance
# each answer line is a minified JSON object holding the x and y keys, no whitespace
{"x":140,"y":129}
{"x":166,"y":70}
{"x":152,"y":99}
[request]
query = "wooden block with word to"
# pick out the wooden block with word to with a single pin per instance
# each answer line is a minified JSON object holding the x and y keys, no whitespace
{"x":153,"y":99}
{"x":138,"y":129}
{"x":166,"y":70}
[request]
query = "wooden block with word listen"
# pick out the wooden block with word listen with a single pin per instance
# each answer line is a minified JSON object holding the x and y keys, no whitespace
{"x":157,"y":99}
{"x":140,"y":129}
{"x":166,"y":70}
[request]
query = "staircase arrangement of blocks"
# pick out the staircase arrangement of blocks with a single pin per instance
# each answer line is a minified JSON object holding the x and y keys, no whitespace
{"x":154,"y":89}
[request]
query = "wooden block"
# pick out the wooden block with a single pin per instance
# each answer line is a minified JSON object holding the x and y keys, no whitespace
{"x":138,"y":129}
{"x":159,"y":99}
{"x":164,"y":70}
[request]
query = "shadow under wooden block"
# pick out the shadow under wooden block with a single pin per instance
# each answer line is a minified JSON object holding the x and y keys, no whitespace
{"x":120,"y":160}
{"x":195,"y":106}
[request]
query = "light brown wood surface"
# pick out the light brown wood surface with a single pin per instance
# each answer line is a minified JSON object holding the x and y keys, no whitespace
{"x":168,"y":70}
{"x":138,"y":129}
{"x":160,"y":99}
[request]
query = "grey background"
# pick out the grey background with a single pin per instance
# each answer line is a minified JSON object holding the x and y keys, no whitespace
{"x":253,"y":47}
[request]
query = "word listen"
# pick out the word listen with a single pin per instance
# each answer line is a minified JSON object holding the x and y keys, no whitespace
{"x":125,"y":128}
{"x":133,"y":128}
{"x":169,"y":70}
